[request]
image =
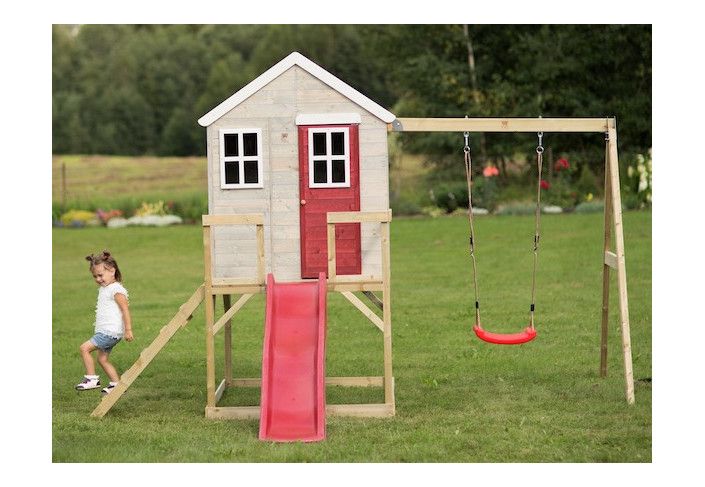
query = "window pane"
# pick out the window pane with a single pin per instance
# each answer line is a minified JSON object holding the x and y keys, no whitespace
{"x":249,"y":141}
{"x":338,"y":143}
{"x":338,"y":171}
{"x":231,"y":145}
{"x":319,"y":144}
{"x":232,"y":172}
{"x":320,"y":172}
{"x":251,"y":174}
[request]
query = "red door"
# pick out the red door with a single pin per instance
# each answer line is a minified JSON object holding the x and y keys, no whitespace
{"x":329,"y":180}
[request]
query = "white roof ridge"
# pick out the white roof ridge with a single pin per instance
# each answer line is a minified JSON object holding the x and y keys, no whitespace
{"x":295,"y":58}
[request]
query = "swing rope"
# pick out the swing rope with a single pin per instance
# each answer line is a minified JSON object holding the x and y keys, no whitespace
{"x":537,"y":233}
{"x":529,"y":333}
{"x":468,"y":175}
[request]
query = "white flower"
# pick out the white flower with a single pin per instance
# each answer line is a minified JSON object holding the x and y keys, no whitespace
{"x":117,"y":222}
{"x":551,"y":209}
{"x":643,"y":185}
{"x":641,"y":168}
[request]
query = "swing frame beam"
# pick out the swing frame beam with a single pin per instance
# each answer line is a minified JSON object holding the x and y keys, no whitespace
{"x":613,"y":245}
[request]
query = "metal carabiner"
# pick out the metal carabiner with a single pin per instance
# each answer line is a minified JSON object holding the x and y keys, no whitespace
{"x":466,"y":135}
{"x":539,"y":148}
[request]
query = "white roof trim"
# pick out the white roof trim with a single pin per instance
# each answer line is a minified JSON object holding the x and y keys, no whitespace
{"x":327,"y":118}
{"x":296,"y":58}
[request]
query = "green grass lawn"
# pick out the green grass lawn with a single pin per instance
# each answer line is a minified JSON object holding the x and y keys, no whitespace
{"x":458,"y":399}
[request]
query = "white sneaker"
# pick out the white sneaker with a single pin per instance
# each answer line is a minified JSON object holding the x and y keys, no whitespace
{"x":88,"y":382}
{"x":109,"y":389}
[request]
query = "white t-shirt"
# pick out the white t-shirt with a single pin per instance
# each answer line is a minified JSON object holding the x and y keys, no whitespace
{"x":108,"y":317}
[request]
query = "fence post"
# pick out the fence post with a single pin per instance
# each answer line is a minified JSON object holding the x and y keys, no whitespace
{"x":63,"y":186}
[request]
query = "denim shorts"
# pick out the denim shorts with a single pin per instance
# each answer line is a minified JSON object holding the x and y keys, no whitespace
{"x":104,"y":342}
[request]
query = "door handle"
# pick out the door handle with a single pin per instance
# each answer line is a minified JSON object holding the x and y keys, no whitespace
{"x":303,"y":202}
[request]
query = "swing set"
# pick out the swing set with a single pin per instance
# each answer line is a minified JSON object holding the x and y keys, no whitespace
{"x":613,"y":243}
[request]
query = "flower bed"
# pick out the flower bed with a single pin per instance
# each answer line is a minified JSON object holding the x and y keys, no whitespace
{"x":149,"y":214}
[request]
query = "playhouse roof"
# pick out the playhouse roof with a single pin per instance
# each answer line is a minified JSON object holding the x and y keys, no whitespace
{"x":306,"y":64}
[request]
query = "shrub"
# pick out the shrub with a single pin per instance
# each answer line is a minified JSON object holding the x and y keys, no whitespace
{"x":191,"y":208}
{"x":484,"y":192}
{"x":639,"y":182}
{"x":587,"y":182}
{"x":403,"y":206}
{"x":449,"y":197}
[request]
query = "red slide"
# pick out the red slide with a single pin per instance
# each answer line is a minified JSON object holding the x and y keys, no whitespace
{"x":293,"y":404}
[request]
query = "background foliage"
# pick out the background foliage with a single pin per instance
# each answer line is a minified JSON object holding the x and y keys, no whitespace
{"x":139,"y":89}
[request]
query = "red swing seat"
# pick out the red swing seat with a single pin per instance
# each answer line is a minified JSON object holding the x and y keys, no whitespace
{"x":528,"y":334}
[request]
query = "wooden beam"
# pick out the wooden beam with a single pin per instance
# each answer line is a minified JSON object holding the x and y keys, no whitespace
{"x":230,"y":313}
{"x":245,"y":219}
{"x":374,"y":381}
{"x":374,"y":299}
{"x":233,"y":412}
{"x":376,"y":320}
{"x":234,"y":281}
{"x":238,"y":289}
{"x":361,"y":410}
{"x":610,"y":259}
{"x":359,"y":216}
{"x":351,"y":410}
{"x":220,"y":390}
{"x":499,"y":125}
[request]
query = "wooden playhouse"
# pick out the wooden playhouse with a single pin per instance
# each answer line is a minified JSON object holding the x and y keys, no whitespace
{"x":298,"y":174}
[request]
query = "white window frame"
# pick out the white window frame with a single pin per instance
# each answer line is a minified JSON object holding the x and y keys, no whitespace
{"x":241,"y":158}
{"x":329,"y":156}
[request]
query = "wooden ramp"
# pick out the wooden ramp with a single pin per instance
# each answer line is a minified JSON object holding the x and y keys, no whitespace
{"x":180,"y":319}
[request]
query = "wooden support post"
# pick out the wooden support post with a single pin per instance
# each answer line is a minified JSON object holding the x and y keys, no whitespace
{"x":621,"y":265}
{"x":606,"y":268}
{"x":210,"y":317}
{"x":387,"y":316}
{"x":228,"y":343}
{"x":331,"y":251}
{"x":260,"y":253}
{"x":226,"y":287}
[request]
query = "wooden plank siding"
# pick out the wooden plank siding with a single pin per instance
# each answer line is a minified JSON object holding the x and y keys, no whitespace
{"x":273,"y":110}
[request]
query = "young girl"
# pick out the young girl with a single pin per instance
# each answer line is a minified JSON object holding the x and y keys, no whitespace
{"x":112,"y":321}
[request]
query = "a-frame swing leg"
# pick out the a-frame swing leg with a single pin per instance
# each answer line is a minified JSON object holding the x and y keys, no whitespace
{"x":615,"y":260}
{"x":606,"y":265}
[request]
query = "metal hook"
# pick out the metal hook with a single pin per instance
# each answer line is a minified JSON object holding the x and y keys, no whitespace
{"x":539,"y":148}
